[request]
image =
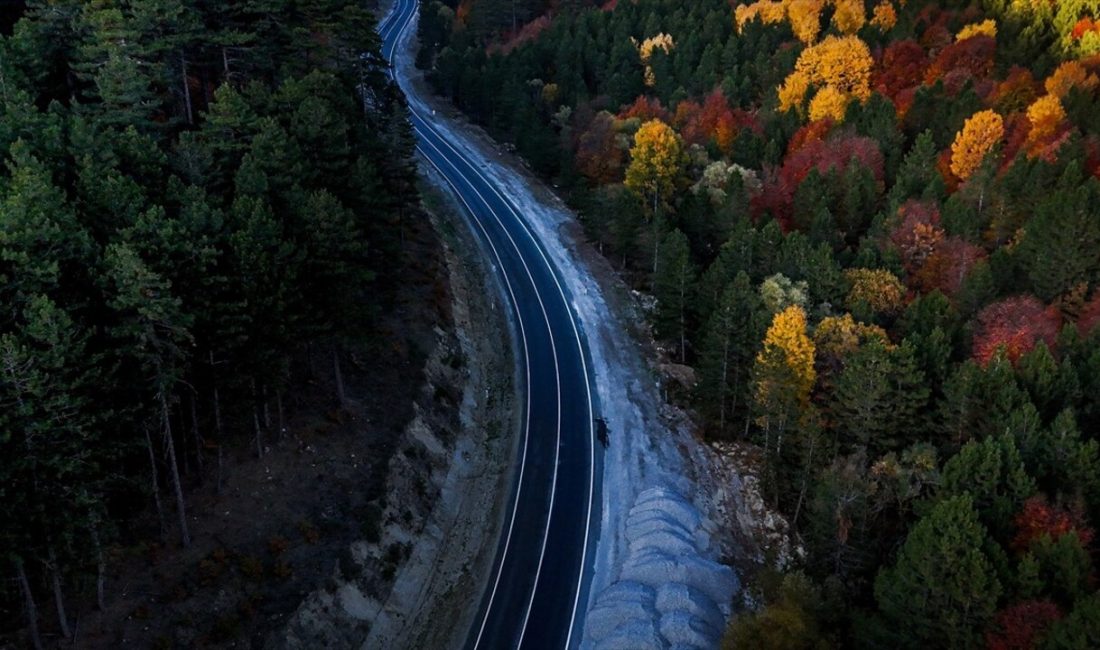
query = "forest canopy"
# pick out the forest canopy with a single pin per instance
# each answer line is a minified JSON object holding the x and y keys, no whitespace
{"x":192,"y":194}
{"x":873,"y":230}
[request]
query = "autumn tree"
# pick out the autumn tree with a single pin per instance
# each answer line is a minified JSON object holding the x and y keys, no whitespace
{"x":656,"y":163}
{"x":843,"y":63}
{"x":1022,"y":626}
{"x":784,"y":371}
{"x":874,"y":291}
{"x":1013,"y":326}
{"x":980,"y":134}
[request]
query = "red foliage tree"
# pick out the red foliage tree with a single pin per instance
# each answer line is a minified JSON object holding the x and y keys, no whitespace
{"x":814,"y":131}
{"x":947,"y":267}
{"x":1017,"y":128}
{"x":1021,"y":626}
{"x":645,"y":108}
{"x":712,"y":120}
{"x":902,"y":67}
{"x":1014,"y":325}
{"x":1090,"y":316}
{"x":1018,"y":90}
{"x":598,"y":157}
{"x":1039,"y":517}
{"x":968,"y":59}
{"x":836,"y":153}
{"x":917,"y":235}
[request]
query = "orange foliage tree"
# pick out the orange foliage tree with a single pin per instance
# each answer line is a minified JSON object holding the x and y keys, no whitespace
{"x":885,"y":17}
{"x":979,"y":135}
{"x":1070,"y":74}
{"x":948,"y":265}
{"x":1046,"y":116}
{"x":918,"y":234}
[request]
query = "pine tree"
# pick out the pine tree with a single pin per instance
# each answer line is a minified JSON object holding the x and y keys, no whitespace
{"x":729,"y":346}
{"x":943,"y":590}
{"x":672,"y":287}
{"x":879,"y":398}
{"x":992,"y":473}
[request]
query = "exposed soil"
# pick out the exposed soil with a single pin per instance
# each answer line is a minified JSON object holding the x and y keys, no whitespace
{"x":418,"y":583}
{"x":280,"y":524}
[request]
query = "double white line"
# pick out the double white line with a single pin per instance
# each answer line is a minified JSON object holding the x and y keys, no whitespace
{"x":402,"y":13}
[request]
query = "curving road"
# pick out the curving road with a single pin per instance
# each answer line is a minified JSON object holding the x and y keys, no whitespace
{"x":537,"y":591}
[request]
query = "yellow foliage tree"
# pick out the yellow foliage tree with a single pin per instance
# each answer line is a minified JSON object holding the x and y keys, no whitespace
{"x":835,"y":337}
{"x":885,"y":16}
{"x":981,"y":132}
{"x":1046,"y":115}
{"x":656,"y":161}
{"x":1070,"y":74}
{"x":843,"y":62}
{"x":850,"y":16}
{"x":984,"y":28}
{"x":769,"y":12}
{"x":828,"y":103}
{"x":661,"y":42}
{"x":878,"y":289}
{"x":784,"y":369}
{"x":805,"y":19}
{"x":793,"y":91}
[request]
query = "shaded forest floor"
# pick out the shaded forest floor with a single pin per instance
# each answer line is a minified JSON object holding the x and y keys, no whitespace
{"x":280,"y":523}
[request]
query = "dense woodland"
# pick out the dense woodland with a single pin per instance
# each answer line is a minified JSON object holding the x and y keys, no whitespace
{"x":194,"y":197}
{"x":873,"y":230}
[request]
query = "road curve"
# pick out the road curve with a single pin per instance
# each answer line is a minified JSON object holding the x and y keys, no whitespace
{"x":537,"y":592}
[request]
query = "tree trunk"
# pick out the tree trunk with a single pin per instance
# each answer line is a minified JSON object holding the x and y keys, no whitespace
{"x":28,"y":604}
{"x":156,"y":482}
{"x":267,"y":407}
{"x":282,"y":417}
{"x":195,"y":432}
{"x":339,"y":378}
{"x":805,"y":483}
{"x":58,"y":596}
{"x":186,"y":90}
{"x":100,"y":571}
{"x":256,"y":423}
{"x":185,"y":536}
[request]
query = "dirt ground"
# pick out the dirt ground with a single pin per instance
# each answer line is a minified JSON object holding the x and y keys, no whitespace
{"x":281,"y":523}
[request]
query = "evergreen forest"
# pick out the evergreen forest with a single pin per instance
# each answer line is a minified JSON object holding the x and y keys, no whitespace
{"x":198,"y":201}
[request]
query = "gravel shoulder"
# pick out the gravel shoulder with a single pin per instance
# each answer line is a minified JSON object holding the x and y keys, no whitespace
{"x":661,"y":483}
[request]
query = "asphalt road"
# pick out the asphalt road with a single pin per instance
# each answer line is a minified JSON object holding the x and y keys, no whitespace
{"x":537,"y":592}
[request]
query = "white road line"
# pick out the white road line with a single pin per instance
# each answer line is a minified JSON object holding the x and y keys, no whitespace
{"x":576,"y":334}
{"x":557,"y":376}
{"x":584,"y":365}
{"x":557,"y":446}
